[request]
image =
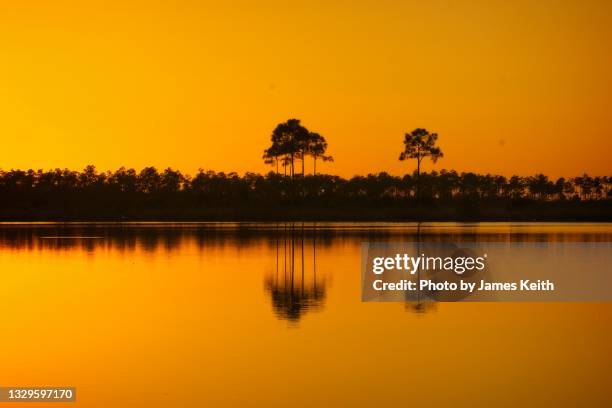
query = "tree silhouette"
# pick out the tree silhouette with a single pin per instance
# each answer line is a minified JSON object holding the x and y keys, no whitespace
{"x":271,"y":156}
{"x":289,"y":139}
{"x":539,"y":186}
{"x":585,"y":183}
{"x":318,"y":148}
{"x":419,"y":144}
{"x":57,"y":194}
{"x":149,"y":180}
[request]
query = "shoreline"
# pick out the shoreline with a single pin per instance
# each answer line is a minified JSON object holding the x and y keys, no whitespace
{"x":256,"y":211}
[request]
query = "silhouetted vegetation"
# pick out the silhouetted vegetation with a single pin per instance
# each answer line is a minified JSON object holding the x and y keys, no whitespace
{"x":169,"y":194}
{"x":418,"y":145}
{"x":291,"y":141}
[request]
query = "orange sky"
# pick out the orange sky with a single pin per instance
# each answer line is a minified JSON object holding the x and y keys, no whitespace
{"x":511,"y":87}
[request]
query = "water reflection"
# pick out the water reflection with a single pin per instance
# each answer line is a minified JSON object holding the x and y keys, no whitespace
{"x":294,"y":290}
{"x":420,"y":307}
{"x":151,"y":236}
{"x":293,"y":284}
{"x":420,"y":301}
{"x":176,"y":304}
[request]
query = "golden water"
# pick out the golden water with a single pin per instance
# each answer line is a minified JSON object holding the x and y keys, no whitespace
{"x":228,"y":315}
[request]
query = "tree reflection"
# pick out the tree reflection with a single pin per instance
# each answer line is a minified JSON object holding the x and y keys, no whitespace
{"x":294,"y":291}
{"x":416,"y":302}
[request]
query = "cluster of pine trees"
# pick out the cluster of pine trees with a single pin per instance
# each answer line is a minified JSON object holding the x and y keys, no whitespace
{"x":89,"y":193}
{"x":291,"y":141}
{"x":18,"y":186}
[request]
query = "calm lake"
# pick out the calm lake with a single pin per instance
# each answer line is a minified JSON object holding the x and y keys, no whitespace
{"x":243,"y":314}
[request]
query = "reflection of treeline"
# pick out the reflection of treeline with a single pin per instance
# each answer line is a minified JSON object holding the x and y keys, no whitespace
{"x":294,"y":286}
{"x":150,"y":237}
{"x":127,"y":192}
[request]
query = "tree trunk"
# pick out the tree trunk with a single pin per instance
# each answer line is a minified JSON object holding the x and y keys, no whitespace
{"x":303,"y":174}
{"x":418,"y":181}
{"x":314,"y":171}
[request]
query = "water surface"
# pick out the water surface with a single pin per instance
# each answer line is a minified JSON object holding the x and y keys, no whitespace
{"x":231,"y":314}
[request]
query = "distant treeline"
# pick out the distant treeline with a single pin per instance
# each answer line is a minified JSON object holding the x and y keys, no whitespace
{"x":149,"y":193}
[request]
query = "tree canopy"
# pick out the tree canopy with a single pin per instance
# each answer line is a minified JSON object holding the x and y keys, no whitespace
{"x":419,"y":144}
{"x":291,"y":140}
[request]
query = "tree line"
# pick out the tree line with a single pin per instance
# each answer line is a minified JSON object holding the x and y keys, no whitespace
{"x":168,"y":192}
{"x":220,"y":187}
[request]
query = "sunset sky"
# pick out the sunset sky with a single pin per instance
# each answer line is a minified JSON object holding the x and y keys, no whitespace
{"x":510,"y":87}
